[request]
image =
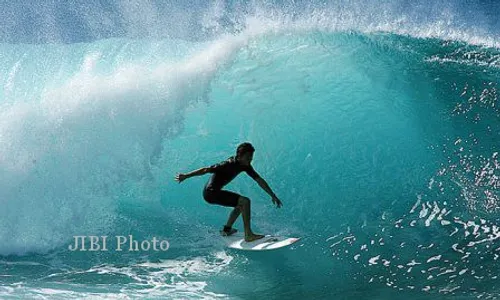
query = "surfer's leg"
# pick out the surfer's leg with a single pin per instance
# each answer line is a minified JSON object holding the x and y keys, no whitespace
{"x":221,"y":197}
{"x":235,"y":213}
{"x":224,"y":198}
{"x":228,"y":228}
{"x":244,"y":206}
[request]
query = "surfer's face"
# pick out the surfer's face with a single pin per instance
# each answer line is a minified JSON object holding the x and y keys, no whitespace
{"x":246,"y":158}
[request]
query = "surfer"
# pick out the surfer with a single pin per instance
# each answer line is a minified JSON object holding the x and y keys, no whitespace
{"x":222,"y":174}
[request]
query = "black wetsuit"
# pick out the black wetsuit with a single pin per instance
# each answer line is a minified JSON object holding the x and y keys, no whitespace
{"x":223,"y":173}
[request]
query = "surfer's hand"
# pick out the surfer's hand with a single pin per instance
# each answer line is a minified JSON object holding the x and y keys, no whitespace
{"x":180,"y":177}
{"x":277,"y":202}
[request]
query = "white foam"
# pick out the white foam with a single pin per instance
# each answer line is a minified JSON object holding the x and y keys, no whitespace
{"x":366,"y":18}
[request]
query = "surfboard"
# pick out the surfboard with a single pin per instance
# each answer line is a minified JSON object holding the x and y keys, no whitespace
{"x":269,"y":242}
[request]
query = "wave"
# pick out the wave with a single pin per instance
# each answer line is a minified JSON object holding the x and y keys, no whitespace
{"x":99,"y":117}
{"x":68,"y":151}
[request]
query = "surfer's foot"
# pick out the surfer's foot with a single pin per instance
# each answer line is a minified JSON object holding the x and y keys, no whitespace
{"x":252,"y":237}
{"x":227,"y":231}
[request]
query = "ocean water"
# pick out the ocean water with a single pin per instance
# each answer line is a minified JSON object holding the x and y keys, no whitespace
{"x":377,"y":125}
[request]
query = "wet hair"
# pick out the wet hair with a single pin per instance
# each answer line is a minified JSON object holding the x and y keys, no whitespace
{"x":244,"y":148}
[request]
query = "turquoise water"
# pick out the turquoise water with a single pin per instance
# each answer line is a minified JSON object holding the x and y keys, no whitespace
{"x":378,"y":132}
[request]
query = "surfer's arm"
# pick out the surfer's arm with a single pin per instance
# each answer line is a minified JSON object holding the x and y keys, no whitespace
{"x":202,"y":171}
{"x":263,"y":184}
{"x":199,"y":172}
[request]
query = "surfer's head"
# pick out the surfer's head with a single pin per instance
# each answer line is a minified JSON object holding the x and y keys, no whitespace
{"x":244,"y":153}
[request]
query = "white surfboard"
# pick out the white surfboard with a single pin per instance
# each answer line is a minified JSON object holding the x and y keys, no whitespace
{"x":269,"y":242}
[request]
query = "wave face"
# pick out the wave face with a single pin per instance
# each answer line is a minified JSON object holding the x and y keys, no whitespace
{"x":377,"y":126}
